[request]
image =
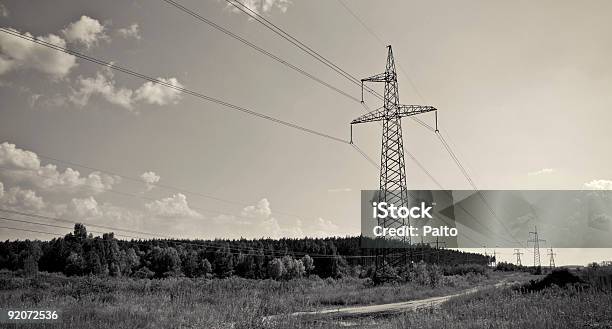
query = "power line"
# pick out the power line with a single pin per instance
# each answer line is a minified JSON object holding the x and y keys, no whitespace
{"x":142,"y":197}
{"x":476,"y":189}
{"x":171,"y":240}
{"x":57,"y":219}
{"x":160,"y":185}
{"x":382,"y":43}
{"x":435,"y":130}
{"x":205,"y":244}
{"x":257,"y":48}
{"x":363,"y":24}
{"x":308,"y":50}
{"x":172,"y":86}
{"x":365,"y":156}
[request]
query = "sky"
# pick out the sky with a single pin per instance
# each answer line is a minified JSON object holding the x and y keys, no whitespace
{"x":522,"y":89}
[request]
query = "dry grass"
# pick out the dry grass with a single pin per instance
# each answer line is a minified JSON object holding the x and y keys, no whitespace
{"x":90,"y":302}
{"x":551,"y":308}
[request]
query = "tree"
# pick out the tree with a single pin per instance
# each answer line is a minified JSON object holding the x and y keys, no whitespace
{"x":93,"y":264}
{"x":224,"y":264}
{"x":293,"y":268}
{"x":165,"y":261}
{"x":80,"y":232}
{"x":189,"y":264}
{"x":276,"y":269}
{"x":74,"y":264}
{"x":308,"y":264}
{"x":30,"y":265}
{"x":130,"y":260}
{"x":205,"y":267}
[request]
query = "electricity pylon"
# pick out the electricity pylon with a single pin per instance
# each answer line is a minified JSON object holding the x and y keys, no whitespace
{"x":494,"y":261}
{"x":392,"y":188}
{"x":552,"y":257}
{"x":536,"y":247}
{"x":518,"y":254}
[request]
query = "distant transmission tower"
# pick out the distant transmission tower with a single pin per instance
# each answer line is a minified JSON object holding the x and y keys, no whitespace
{"x":494,"y":260}
{"x":392,"y":187}
{"x":518,"y":254}
{"x":536,"y":247}
{"x":552,"y":257}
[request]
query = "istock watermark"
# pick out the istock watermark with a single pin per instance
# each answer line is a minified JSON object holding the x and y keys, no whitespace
{"x":472,"y":219}
{"x":414,"y":220}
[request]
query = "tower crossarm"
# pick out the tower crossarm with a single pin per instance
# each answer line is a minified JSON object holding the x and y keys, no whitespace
{"x":381,"y":77}
{"x":402,"y":111}
{"x":409,"y":110}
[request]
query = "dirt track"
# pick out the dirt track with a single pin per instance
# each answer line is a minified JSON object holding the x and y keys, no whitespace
{"x":370,"y":310}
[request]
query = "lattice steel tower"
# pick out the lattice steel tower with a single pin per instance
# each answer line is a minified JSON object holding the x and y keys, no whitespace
{"x":392,"y":168}
{"x":552,"y":258}
{"x":518,"y":254}
{"x":536,"y":247}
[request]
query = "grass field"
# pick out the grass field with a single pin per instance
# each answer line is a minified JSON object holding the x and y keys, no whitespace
{"x":496,"y":308}
{"x":92,"y":302}
{"x":198,"y":303}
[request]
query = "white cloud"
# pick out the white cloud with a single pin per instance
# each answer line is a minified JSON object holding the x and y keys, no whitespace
{"x":3,"y":11}
{"x":86,"y":31}
{"x":153,"y":93}
{"x":150,"y":178}
{"x":19,"y":53}
{"x":264,"y":6}
{"x":325,"y":226}
{"x":24,"y":167}
{"x":261,"y":210}
{"x":175,"y":206}
{"x":132,"y":31}
{"x":543,"y":171}
{"x":104,"y":87}
{"x":12,"y":157}
{"x":89,"y":210}
{"x":22,"y":199}
{"x":598,"y":184}
{"x":257,"y":221}
{"x":84,"y":208}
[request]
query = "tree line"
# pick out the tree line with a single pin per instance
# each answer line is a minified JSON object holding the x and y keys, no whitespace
{"x":80,"y":253}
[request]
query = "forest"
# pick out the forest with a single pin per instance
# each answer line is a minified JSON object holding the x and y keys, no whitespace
{"x":79,"y":253}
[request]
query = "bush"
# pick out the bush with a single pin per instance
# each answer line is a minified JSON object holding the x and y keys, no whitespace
{"x":463,"y":269}
{"x":144,"y":273}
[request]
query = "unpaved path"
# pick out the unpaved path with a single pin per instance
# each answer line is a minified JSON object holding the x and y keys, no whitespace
{"x":370,"y":310}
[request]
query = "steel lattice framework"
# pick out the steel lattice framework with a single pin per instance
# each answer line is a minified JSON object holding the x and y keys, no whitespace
{"x":392,"y":187}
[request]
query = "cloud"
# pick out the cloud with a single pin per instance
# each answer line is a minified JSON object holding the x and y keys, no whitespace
{"x":150,"y":178}
{"x":3,"y":11}
{"x":19,"y":53}
{"x":325,"y":226}
{"x":257,"y":221}
{"x":175,"y":206}
{"x":86,"y":31}
{"x":22,"y":199}
{"x":261,"y":209}
{"x":103,"y":86}
{"x":339,"y":190}
{"x":24,"y":167}
{"x":153,"y":93}
{"x":89,"y":210}
{"x":543,"y":171}
{"x":598,"y":184}
{"x":84,"y":208}
{"x":264,"y":6}
{"x":132,"y":31}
